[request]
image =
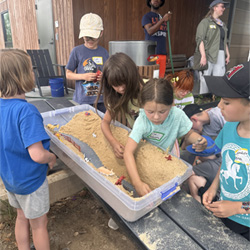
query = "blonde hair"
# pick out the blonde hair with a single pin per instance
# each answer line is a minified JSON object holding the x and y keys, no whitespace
{"x":16,"y":75}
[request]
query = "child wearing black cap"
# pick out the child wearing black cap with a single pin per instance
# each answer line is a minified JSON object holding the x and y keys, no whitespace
{"x":233,"y":177}
{"x":205,"y":167}
{"x":208,"y":122}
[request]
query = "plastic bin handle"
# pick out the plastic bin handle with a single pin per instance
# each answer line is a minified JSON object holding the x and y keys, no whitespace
{"x":62,"y":111}
{"x":170,"y":192}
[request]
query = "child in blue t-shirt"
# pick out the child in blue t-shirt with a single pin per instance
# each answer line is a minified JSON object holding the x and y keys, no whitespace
{"x":24,"y":150}
{"x":160,"y":123}
{"x":233,"y":177}
{"x":86,"y":62}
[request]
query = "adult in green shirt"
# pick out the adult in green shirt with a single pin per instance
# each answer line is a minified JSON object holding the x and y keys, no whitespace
{"x":211,"y":36}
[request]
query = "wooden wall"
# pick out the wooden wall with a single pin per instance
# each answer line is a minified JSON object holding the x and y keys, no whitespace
{"x":23,"y":23}
{"x":240,"y":38}
{"x":3,"y":8}
{"x":122,"y":20}
{"x":63,"y":13}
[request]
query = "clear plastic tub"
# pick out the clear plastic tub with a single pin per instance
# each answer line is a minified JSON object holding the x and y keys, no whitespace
{"x":128,"y":208}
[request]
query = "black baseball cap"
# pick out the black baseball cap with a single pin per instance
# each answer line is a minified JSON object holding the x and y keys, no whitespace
{"x":234,"y":84}
{"x":192,"y":109}
{"x":226,"y":4}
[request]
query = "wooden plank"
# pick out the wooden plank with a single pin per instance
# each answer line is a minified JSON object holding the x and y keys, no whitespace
{"x":200,"y":224}
{"x":38,"y":64}
{"x":153,"y":231}
{"x":242,"y":16}
{"x":62,"y":184}
{"x":3,"y":6}
{"x":41,"y":105}
{"x":23,"y":24}
{"x":239,"y":52}
{"x":241,"y":29}
{"x":58,"y":103}
{"x":243,"y":5}
{"x":109,"y":22}
{"x":235,"y":61}
{"x":66,"y":31}
{"x":48,"y":62}
{"x":240,"y":40}
{"x":42,"y":63}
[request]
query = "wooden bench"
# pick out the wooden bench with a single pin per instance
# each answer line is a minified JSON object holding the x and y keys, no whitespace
{"x":147,"y":71}
{"x":180,"y":62}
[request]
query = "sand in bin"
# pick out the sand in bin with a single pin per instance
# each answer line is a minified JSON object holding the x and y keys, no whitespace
{"x":153,"y":167}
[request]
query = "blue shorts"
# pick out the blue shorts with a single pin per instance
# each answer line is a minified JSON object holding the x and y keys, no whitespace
{"x":34,"y":205}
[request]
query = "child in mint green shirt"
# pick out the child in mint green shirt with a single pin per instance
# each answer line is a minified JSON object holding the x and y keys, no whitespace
{"x":159,"y":123}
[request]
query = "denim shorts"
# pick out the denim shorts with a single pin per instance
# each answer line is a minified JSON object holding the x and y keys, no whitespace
{"x":34,"y":205}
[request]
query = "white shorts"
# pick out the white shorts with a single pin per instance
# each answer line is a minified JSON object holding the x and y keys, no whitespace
{"x":34,"y":205}
{"x":214,"y":69}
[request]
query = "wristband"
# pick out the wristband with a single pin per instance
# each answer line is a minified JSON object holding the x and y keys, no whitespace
{"x":246,"y":205}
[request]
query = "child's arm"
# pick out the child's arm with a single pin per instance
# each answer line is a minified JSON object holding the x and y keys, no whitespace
{"x":41,"y":155}
{"x":199,"y":142}
{"x":223,"y":208}
{"x":141,"y":187}
{"x":78,"y":76}
{"x":118,"y":148}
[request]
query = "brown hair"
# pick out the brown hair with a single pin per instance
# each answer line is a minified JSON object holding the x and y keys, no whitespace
{"x":211,"y":12}
{"x":157,"y":90}
{"x":119,"y":69}
{"x":16,"y":76}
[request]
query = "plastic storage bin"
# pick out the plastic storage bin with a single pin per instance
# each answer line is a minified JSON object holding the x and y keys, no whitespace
{"x":130,"y":209}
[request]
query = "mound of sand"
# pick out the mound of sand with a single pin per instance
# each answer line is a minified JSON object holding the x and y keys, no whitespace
{"x":153,"y":164}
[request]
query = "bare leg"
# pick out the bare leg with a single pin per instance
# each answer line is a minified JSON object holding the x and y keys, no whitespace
{"x":40,"y":233}
{"x":22,"y":231}
{"x":195,"y":182}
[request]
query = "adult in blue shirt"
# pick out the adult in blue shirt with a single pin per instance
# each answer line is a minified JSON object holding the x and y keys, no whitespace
{"x":155,"y":26}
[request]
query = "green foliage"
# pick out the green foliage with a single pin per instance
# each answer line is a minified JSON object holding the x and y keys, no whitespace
{"x":7,"y":30}
{"x":201,"y":99}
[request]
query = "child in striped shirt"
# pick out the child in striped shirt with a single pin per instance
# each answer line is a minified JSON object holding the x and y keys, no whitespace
{"x":183,"y":84}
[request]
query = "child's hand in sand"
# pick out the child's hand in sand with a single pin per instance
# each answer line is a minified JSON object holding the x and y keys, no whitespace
{"x":118,"y":149}
{"x":142,"y":188}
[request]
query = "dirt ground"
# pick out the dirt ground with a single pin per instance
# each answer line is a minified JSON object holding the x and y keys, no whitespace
{"x":75,"y":223}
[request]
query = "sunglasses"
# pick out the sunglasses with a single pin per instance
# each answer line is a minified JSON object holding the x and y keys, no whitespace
{"x":88,"y":38}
